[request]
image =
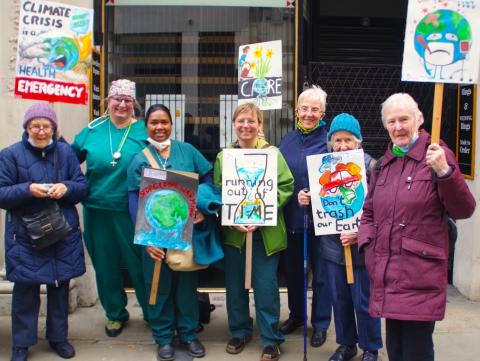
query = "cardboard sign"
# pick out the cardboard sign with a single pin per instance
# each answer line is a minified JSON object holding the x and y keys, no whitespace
{"x":441,"y":42}
{"x":260,"y":74}
{"x":166,"y":209}
{"x":338,"y":187}
{"x":249,"y":187}
{"x":54,"y":52}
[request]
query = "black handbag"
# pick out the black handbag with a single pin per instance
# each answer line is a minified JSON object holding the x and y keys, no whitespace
{"x":47,"y":226}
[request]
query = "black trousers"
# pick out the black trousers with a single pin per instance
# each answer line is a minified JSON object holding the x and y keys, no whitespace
{"x":409,"y":340}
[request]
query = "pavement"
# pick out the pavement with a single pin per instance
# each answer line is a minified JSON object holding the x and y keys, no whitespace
{"x":455,"y":338}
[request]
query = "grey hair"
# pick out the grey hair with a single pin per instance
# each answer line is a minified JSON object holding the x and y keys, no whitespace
{"x":314,"y":93}
{"x":404,"y":101}
{"x":330,"y":142}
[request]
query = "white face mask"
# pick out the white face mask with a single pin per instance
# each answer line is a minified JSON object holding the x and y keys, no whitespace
{"x":406,"y":149}
{"x":159,"y":145}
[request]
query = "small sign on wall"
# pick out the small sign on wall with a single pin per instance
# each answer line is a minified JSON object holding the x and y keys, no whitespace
{"x":465,"y":151}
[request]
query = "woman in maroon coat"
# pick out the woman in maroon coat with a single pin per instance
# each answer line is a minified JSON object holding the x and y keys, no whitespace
{"x":404,"y":230}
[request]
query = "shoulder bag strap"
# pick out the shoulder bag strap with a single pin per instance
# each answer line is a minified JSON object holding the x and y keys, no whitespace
{"x":151,"y":159}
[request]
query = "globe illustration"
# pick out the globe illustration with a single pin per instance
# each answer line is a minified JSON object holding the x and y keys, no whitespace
{"x":166,"y":211}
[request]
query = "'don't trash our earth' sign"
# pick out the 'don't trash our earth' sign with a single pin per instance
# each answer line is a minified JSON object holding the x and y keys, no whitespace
{"x":442,"y":41}
{"x":54,"y":52}
{"x":338,"y":188}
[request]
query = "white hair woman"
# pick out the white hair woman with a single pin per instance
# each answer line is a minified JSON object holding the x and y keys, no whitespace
{"x":309,"y":137}
{"x":404,"y":230}
{"x":353,"y":324}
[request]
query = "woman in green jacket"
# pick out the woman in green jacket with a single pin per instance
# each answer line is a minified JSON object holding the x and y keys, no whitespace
{"x":266,"y":245}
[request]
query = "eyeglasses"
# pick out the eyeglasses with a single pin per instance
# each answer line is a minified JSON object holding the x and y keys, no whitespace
{"x":119,"y":100}
{"x":314,"y":110}
{"x":37,"y":128}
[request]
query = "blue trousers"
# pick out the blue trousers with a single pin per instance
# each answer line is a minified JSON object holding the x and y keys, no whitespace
{"x":348,"y":301}
{"x":265,"y":287}
{"x":293,"y":265}
{"x":25,"y":309}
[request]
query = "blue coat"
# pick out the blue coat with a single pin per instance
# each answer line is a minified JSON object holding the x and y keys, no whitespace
{"x":295,"y":147}
{"x":21,"y":164}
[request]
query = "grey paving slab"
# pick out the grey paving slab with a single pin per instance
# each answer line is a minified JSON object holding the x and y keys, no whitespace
{"x":456,"y":338}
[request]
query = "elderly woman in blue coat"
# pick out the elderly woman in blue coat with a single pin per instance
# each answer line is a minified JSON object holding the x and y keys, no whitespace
{"x":353,"y":324}
{"x":34,"y":173}
{"x":309,"y":137}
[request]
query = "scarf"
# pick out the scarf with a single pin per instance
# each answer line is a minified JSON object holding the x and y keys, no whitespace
{"x":305,"y":131}
{"x":401,"y":151}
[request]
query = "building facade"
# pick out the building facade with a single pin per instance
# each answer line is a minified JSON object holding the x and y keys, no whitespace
{"x":185,"y":56}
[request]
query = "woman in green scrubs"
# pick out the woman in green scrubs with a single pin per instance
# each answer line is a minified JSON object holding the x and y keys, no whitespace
{"x":108,"y":145}
{"x":176,"y":306}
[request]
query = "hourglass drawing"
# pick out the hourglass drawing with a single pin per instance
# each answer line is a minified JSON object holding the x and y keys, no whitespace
{"x":250,"y":169}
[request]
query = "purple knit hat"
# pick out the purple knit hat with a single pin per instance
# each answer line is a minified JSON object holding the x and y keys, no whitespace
{"x":40,"y":110}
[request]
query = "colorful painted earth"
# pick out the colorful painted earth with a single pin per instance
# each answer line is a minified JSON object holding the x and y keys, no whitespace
{"x":168,"y":208}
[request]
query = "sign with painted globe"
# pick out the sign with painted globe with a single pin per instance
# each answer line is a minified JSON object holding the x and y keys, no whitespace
{"x":166,"y":209}
{"x":441,"y":43}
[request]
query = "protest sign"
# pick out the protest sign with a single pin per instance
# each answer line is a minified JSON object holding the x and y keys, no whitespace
{"x":249,"y":187}
{"x":166,"y":209}
{"x":440,"y":45}
{"x":260,"y":74}
{"x":338,"y":187}
{"x":54,"y":52}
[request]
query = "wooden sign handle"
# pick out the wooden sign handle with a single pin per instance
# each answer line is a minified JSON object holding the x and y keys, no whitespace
{"x":155,"y":280}
{"x":437,"y":112}
{"x":248,"y":261}
{"x":348,"y":264}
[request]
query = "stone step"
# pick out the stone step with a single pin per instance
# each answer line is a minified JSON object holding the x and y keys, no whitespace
{"x":6,"y":289}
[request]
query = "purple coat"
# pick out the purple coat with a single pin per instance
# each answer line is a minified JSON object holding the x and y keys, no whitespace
{"x":404,"y":233}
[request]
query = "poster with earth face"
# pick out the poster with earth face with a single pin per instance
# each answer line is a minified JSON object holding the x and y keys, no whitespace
{"x":166,"y":209}
{"x":441,"y":41}
{"x":338,"y":187}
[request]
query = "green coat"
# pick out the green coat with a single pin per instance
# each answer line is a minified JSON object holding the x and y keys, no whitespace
{"x":274,"y":237}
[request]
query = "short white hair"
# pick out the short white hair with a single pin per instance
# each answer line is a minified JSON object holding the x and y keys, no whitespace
{"x":316,"y":94}
{"x":402,"y":100}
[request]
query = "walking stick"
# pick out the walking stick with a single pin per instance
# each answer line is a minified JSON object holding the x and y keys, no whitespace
{"x":305,"y":278}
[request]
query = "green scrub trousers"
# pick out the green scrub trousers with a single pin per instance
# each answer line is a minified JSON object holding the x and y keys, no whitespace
{"x":265,"y":288}
{"x":177,"y":303}
{"x":109,"y":239}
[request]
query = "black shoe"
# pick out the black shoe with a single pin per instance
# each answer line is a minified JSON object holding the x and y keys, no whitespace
{"x":290,"y":325}
{"x":369,"y":356}
{"x":194,"y":348}
{"x":63,"y":349}
{"x":318,"y":338}
{"x":270,"y":353}
{"x":19,"y":354}
{"x":114,"y":328}
{"x":237,"y":344}
{"x":344,"y":353}
{"x":165,"y":352}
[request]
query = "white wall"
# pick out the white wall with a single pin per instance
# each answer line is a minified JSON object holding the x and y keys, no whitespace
{"x":466,"y":276}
